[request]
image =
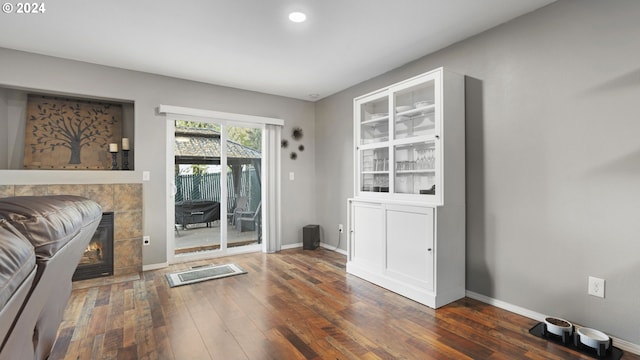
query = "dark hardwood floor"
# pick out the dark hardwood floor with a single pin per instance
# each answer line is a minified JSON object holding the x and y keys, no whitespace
{"x":292,"y":305}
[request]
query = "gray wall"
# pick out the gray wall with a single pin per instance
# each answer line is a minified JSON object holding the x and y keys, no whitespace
{"x":31,"y":71}
{"x":4,"y":131}
{"x":553,"y":159}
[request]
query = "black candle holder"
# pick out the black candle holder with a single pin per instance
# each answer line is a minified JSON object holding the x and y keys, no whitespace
{"x":125,"y":159}
{"x":114,"y":161}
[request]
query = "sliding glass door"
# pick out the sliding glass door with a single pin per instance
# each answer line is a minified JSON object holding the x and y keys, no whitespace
{"x":198,"y":174}
{"x":217,"y":188}
{"x":244,"y":202}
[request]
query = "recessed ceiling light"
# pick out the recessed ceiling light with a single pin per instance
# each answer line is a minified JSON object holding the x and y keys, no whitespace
{"x":297,"y":17}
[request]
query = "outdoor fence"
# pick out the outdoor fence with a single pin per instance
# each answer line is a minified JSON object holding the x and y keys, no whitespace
{"x":207,"y":187}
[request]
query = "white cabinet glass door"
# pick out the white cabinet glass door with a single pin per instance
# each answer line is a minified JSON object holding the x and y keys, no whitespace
{"x":375,"y":170}
{"x":374,"y":121}
{"x":373,"y":144}
{"x":398,"y":141}
{"x":415,"y":111}
{"x":415,"y":168}
{"x":415,"y":138}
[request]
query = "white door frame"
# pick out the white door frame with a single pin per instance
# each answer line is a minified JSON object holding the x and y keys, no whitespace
{"x":271,"y":239}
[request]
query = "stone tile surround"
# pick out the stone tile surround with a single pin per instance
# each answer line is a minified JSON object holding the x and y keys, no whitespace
{"x":125,"y":200}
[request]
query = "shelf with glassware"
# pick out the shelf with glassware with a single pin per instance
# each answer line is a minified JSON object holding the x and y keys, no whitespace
{"x":415,"y":167}
{"x":375,"y":169}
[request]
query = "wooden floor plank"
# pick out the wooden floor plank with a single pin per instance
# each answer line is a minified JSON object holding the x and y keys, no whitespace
{"x":294,"y":304}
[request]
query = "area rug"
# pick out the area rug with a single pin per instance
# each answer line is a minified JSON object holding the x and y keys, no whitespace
{"x":203,"y":273}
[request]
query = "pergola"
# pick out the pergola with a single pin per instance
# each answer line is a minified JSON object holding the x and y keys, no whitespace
{"x":201,"y":146}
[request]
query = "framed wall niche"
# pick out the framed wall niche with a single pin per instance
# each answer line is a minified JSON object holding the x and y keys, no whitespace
{"x":45,"y":144}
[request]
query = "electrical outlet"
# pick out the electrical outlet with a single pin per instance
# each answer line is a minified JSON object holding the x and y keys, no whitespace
{"x":146,"y":240}
{"x":340,"y":228}
{"x":596,"y":286}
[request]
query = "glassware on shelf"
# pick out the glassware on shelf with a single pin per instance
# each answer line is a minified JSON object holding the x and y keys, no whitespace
{"x":382,"y":164}
{"x":431,"y":159}
{"x":421,"y":162}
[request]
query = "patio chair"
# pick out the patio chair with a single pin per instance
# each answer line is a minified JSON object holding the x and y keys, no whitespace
{"x":242,"y":206}
{"x":248,"y":221}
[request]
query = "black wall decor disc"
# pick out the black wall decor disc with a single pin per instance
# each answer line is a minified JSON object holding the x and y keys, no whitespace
{"x":296,"y":133}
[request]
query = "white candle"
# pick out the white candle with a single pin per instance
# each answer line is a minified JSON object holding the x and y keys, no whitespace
{"x":113,"y":147}
{"x":125,"y":143}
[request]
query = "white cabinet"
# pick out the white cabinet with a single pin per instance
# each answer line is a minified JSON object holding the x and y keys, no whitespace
{"x":407,"y":218}
{"x":367,"y":250}
{"x":409,"y":244}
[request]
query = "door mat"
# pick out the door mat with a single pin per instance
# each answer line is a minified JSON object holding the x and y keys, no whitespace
{"x":207,"y":272}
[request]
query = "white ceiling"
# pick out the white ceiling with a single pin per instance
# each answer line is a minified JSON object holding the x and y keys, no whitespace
{"x":251,"y":44}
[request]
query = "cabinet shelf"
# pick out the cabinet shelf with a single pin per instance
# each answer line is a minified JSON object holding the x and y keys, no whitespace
{"x":407,"y":118}
{"x":420,"y":171}
{"x":375,"y":141}
{"x":418,"y":112}
{"x":375,"y":172}
{"x":376,"y":122}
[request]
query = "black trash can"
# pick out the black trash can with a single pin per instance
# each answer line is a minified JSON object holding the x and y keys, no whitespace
{"x":310,"y":237}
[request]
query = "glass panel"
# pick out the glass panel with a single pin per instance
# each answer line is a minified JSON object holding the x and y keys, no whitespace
{"x":197,"y":179}
{"x":244,"y":147}
{"x":374,"y":121}
{"x":414,"y":111}
{"x":375,"y":170}
{"x":415,"y":168}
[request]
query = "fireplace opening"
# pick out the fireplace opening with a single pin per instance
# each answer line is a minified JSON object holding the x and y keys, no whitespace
{"x":97,"y":260}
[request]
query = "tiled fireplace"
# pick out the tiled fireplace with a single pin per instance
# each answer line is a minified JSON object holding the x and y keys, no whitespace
{"x":123,"y":200}
{"x":97,"y":260}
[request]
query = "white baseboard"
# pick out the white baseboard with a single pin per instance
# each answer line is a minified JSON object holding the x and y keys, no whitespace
{"x":333,"y":248}
{"x":291,"y":246}
{"x":155,"y":266}
{"x":622,"y":344}
{"x":507,"y":306}
{"x":324,"y":245}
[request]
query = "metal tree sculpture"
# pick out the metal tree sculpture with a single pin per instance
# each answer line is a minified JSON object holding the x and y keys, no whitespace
{"x":62,"y":125}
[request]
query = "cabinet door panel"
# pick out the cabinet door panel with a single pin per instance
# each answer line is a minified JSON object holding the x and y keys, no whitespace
{"x":374,"y":120}
{"x":366,"y":248}
{"x":415,"y":168}
{"x":409,"y":245}
{"x":374,"y":170}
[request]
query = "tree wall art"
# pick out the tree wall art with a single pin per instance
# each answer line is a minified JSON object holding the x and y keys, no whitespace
{"x":70,"y":134}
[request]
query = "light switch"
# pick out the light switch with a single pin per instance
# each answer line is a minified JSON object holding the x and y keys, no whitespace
{"x":291,"y":176}
{"x":146,"y":176}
